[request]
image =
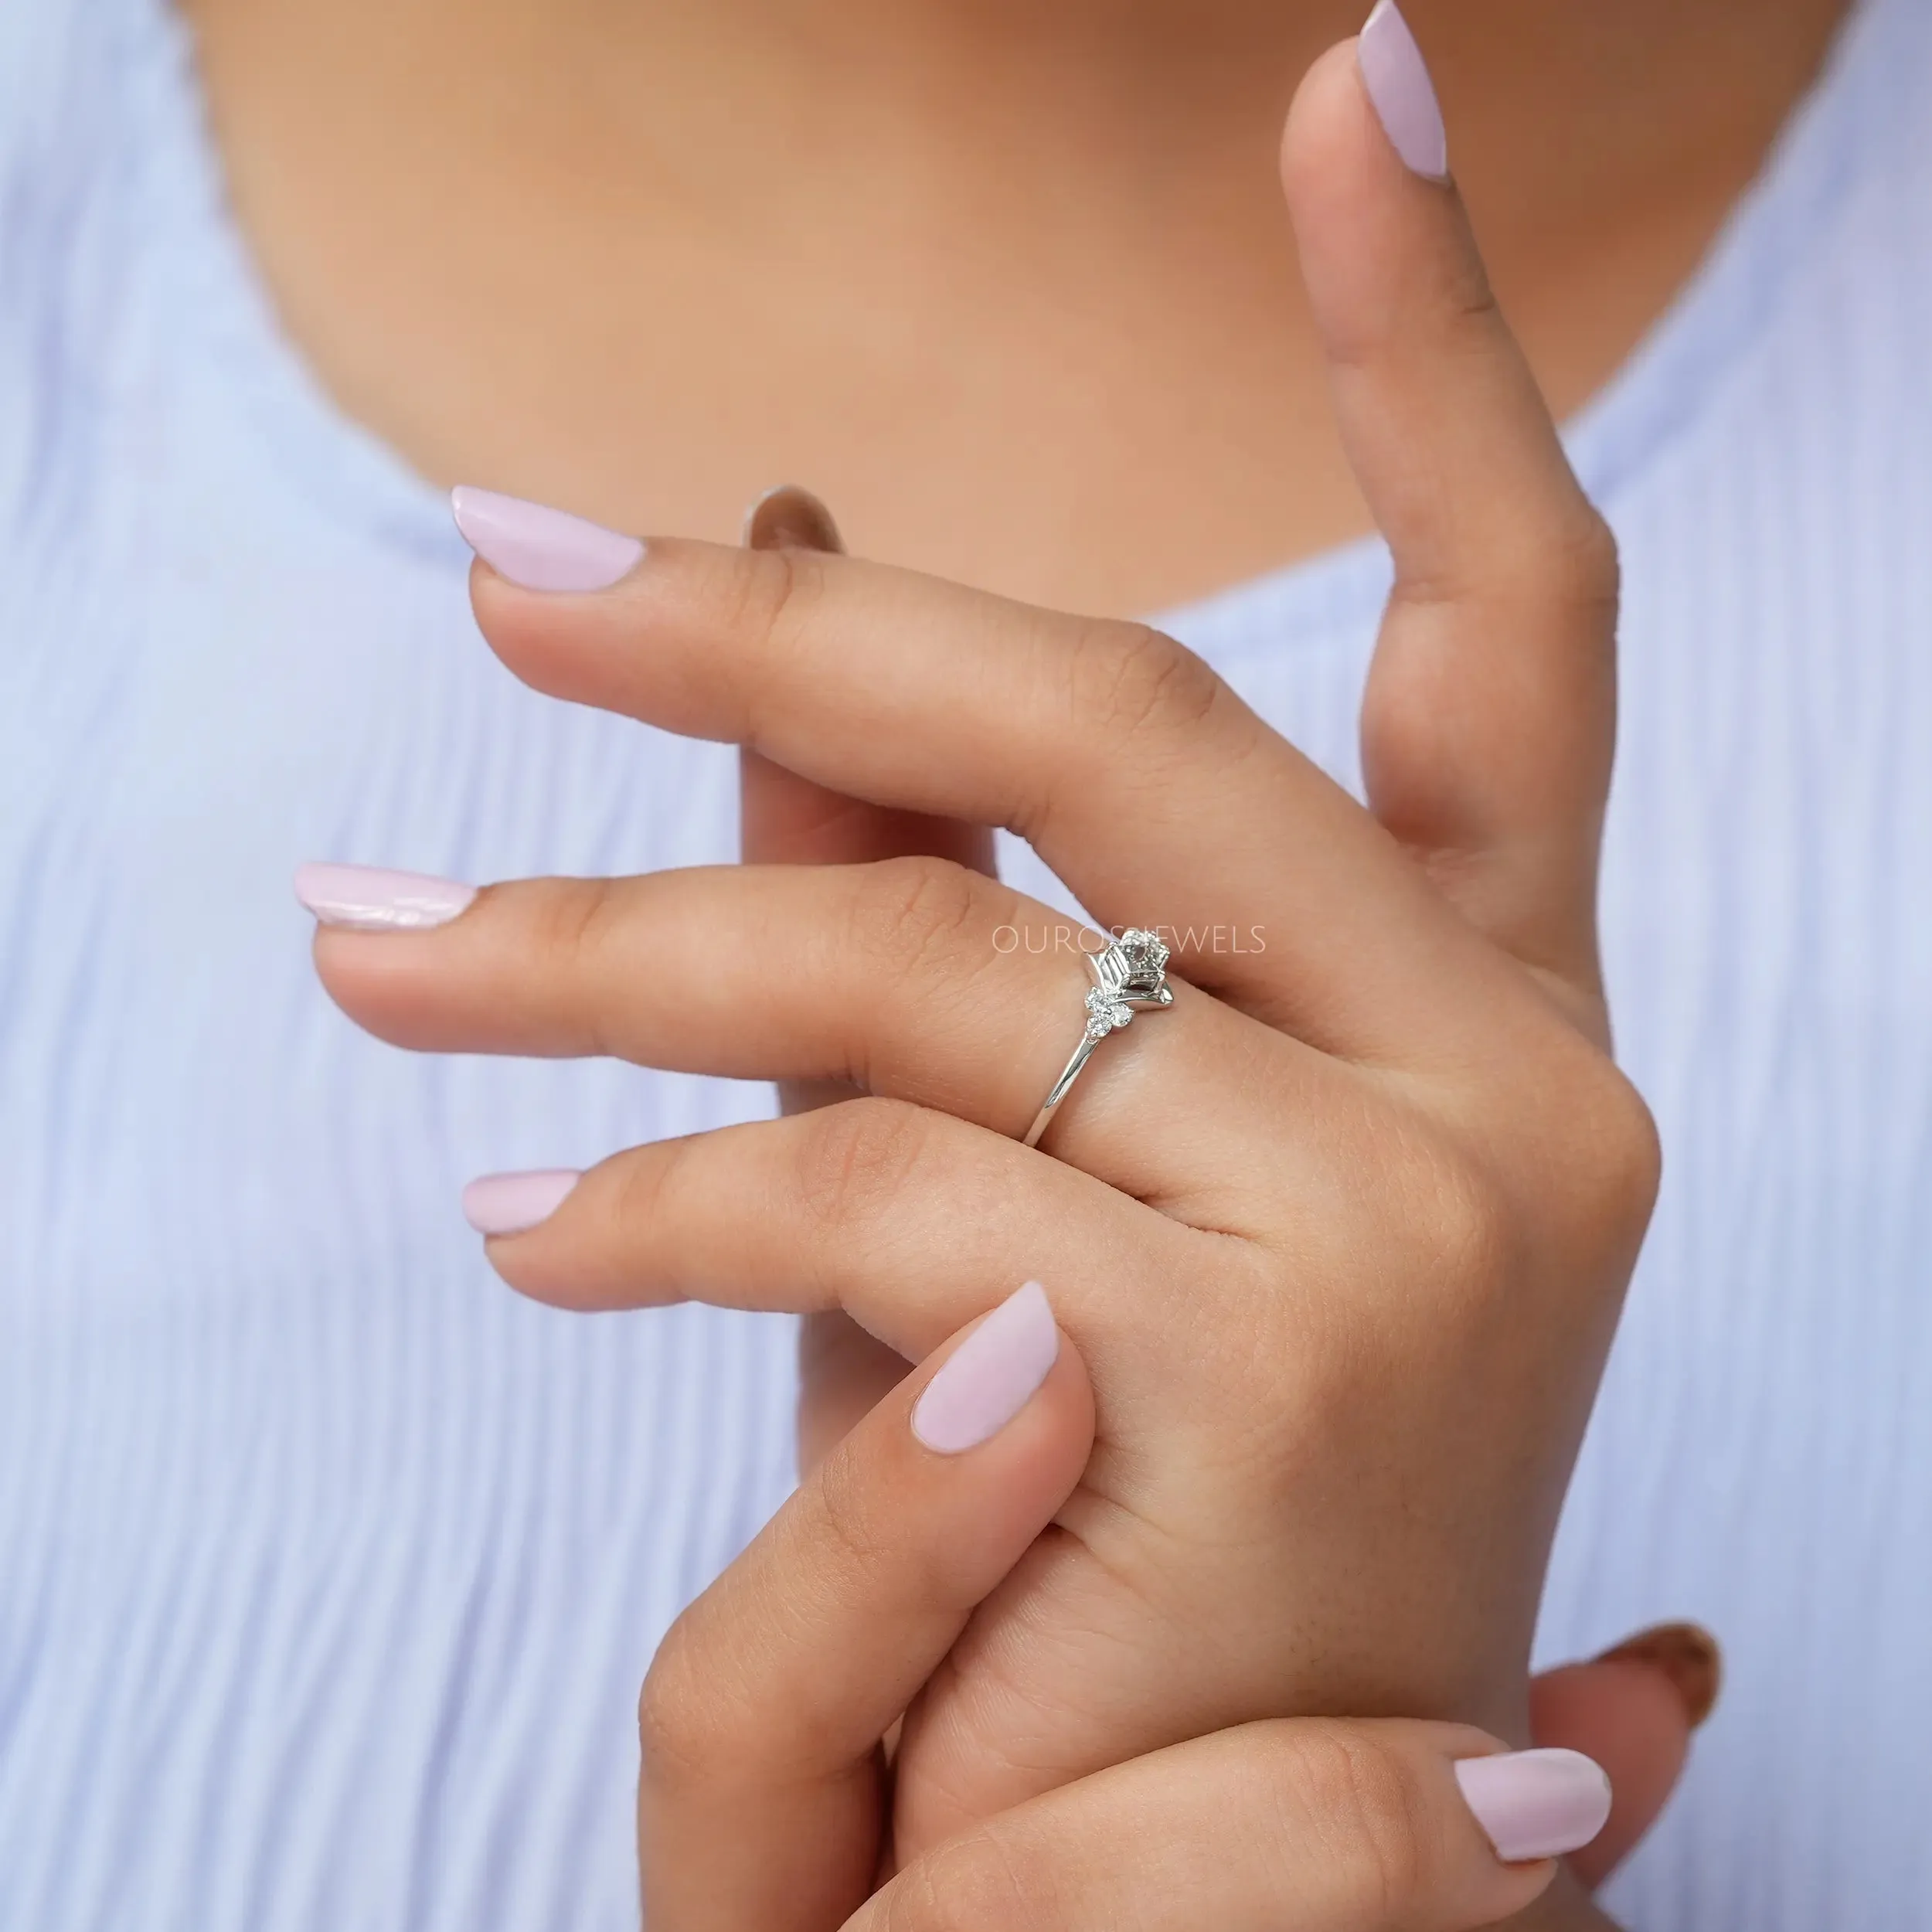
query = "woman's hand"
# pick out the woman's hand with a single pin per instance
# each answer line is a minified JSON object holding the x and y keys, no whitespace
{"x":1342,"y":1236}
{"x":763,"y":1803}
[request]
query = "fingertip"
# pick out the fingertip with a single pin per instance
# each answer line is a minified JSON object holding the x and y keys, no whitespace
{"x":1330,"y":125}
{"x":1688,"y":1656}
{"x":790,"y":517}
{"x":1379,"y":242}
{"x":388,"y":988}
{"x":1368,"y":107}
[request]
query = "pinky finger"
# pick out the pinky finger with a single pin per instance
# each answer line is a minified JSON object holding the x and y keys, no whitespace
{"x":858,"y":1206}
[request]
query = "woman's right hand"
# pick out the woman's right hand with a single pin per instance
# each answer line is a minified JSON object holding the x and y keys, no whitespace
{"x":764,"y":1803}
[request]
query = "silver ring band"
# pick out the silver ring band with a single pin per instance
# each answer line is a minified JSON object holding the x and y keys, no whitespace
{"x":1130,"y":973}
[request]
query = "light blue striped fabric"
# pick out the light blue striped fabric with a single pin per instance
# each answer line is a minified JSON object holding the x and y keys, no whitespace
{"x":328,"y":1569}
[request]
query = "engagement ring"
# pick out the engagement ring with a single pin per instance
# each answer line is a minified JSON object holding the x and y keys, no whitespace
{"x":1130,"y":973}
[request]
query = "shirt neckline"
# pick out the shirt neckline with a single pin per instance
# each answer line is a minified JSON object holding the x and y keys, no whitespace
{"x":365,"y":488}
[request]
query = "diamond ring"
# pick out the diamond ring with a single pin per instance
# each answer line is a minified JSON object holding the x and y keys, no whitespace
{"x":1130,"y":972}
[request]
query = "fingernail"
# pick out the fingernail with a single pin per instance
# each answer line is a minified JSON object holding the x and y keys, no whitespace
{"x":539,"y":548}
{"x":1536,"y":1805}
{"x":1686,"y":1654}
{"x":991,"y":1376}
{"x":515,"y":1203}
{"x":789,"y":517}
{"x":373,"y":900}
{"x":1404,"y":97}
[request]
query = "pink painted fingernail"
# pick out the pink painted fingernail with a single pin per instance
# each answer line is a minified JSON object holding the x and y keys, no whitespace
{"x":1404,"y":97}
{"x":513,"y":1203}
{"x":991,"y":1376}
{"x":539,"y":548}
{"x":373,"y":900}
{"x":1536,"y":1805}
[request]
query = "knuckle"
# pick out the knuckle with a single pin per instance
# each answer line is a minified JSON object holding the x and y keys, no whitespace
{"x":650,"y":1182}
{"x":1133,"y":679}
{"x":915,"y":910}
{"x":1618,"y":1158}
{"x":1571,"y":563}
{"x":1372,"y":1802}
{"x":683,"y":1733}
{"x":1638,"y":1172}
{"x":578,"y":926}
{"x":1470,"y":298}
{"x":575,"y":920}
{"x":1586,"y":1145}
{"x":773,"y":593}
{"x":856,"y":1160}
{"x":1595,"y":562}
{"x":1561,"y":556}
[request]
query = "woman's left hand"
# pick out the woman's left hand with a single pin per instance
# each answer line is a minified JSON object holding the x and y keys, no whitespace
{"x":1342,"y":1236}
{"x":763,"y":1804}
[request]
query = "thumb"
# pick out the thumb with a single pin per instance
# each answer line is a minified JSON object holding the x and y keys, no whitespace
{"x":763,"y":1790}
{"x":1633,"y":1711}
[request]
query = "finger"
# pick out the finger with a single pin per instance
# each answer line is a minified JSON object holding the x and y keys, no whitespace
{"x":1687,"y":1655}
{"x":760,"y":1804}
{"x":861,"y":1207}
{"x":787,"y":820}
{"x":1633,"y":1711}
{"x":913,"y":979}
{"x":1629,"y":1719}
{"x":1318,"y":1825}
{"x":1490,"y":717}
{"x":1147,"y":785}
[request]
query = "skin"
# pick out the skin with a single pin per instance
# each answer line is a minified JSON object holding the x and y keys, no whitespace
{"x":1155,"y":367}
{"x":812,"y":1644}
{"x":1345,"y":1315}
{"x":1008,"y":284}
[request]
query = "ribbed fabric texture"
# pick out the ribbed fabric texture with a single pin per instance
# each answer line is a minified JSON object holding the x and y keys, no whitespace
{"x":328,"y":1569}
